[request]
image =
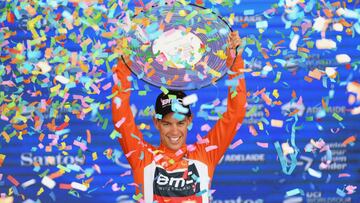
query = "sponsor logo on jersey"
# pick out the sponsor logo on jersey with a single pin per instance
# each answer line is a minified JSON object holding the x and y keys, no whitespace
{"x":176,"y":184}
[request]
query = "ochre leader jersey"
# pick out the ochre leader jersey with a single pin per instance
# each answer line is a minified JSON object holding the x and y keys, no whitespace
{"x":163,"y":175}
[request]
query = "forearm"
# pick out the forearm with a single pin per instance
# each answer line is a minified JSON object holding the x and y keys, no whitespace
{"x":121,"y":112}
{"x":237,"y":92}
{"x":225,"y":129}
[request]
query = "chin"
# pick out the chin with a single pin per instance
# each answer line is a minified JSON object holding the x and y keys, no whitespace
{"x":175,"y":148}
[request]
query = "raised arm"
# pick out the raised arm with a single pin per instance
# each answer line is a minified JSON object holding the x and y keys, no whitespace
{"x":225,"y":129}
{"x":122,"y":116}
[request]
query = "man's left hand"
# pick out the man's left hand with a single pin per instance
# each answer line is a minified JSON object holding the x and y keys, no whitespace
{"x":233,"y":40}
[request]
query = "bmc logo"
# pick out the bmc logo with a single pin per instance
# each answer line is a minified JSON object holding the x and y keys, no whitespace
{"x":178,"y":184}
{"x":172,"y":181}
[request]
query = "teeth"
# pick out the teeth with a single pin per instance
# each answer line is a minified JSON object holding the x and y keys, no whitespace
{"x":174,"y":139}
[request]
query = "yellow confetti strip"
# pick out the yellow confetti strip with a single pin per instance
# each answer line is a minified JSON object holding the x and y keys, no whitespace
{"x":261,"y":126}
{"x":275,"y":93}
{"x":2,"y":158}
{"x":182,"y":13}
{"x":41,"y":190}
{"x":201,"y":31}
{"x":221,"y":54}
{"x":214,"y":72}
{"x":94,"y":156}
{"x":31,"y":26}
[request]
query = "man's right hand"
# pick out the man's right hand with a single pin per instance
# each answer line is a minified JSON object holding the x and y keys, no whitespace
{"x":121,"y":46}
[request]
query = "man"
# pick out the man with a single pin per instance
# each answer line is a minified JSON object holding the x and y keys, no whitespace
{"x":174,"y":171}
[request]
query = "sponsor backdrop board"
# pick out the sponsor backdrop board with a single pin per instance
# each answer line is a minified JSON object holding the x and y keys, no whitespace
{"x":300,"y":97}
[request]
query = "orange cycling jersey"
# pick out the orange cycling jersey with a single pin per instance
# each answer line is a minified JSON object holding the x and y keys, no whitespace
{"x":163,"y":175}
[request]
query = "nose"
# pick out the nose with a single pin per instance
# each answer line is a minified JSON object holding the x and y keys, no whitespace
{"x":175,"y":130}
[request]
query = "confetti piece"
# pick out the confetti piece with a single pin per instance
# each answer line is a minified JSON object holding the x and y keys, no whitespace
{"x":78,"y":186}
{"x":343,"y":58}
{"x":13,"y":180}
{"x":43,"y":66}
{"x":178,"y":116}
{"x":190,"y":148}
{"x":350,"y":189}
{"x":201,"y":192}
{"x":179,"y":152}
{"x":262,"y":24}
{"x":266,"y":98}
{"x":236,"y":144}
{"x":349,"y":140}
{"x":287,"y":149}
{"x":337,"y":116}
{"x":137,"y":197}
{"x":316,"y":174}
{"x":120,"y":122}
{"x":88,"y":136}
{"x":179,"y":108}
{"x":40,"y":191}
{"x":72,"y":167}
{"x":62,"y":79}
{"x":210,"y":148}
{"x":115,"y":187}
{"x":342,"y":175}
{"x":338,"y":27}
{"x":164,"y":90}
{"x":158,"y":157}
{"x":262,"y":144}
{"x":252,"y":130}
{"x":294,"y":42}
{"x":65,"y":186}
{"x":331,"y":72}
{"x":275,"y":93}
{"x":82,"y":146}
{"x":325,"y":44}
{"x":200,"y":140}
{"x":48,"y":182}
{"x":205,"y":127}
{"x":276,"y":123}
{"x":28,"y":183}
{"x":126,"y":173}
{"x":294,"y":192}
{"x":221,"y":54}
{"x":340,"y":192}
{"x":2,"y":158}
{"x":168,"y":17}
{"x":316,"y":73}
{"x":319,"y":24}
{"x":286,"y":168}
{"x":191,"y":15}
{"x":190,"y":99}
{"x":249,"y":12}
{"x":340,"y":11}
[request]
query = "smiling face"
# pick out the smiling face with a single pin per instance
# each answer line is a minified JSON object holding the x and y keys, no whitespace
{"x":173,"y":132}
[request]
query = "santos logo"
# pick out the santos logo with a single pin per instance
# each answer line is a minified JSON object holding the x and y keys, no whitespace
{"x":239,"y":200}
{"x":28,"y":159}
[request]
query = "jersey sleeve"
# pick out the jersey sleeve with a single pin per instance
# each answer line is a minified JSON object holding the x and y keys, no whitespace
{"x":122,"y":116}
{"x":223,"y":132}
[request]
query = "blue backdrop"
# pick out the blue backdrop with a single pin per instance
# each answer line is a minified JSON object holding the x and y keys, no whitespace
{"x":64,"y":129}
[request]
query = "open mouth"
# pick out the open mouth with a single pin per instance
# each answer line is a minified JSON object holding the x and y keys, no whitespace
{"x":174,"y":140}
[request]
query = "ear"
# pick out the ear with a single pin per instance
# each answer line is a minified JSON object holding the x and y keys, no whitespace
{"x":189,"y":119}
{"x":156,"y":122}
